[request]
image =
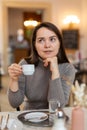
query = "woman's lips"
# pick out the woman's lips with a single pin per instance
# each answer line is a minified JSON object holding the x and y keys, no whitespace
{"x":47,"y":52}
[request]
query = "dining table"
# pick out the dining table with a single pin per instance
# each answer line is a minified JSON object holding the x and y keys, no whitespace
{"x":26,"y":126}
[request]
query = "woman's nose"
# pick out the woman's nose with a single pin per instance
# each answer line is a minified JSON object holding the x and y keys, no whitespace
{"x":47,"y":44}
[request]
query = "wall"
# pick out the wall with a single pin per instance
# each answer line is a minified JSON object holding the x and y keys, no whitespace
{"x":15,"y":21}
{"x":83,"y":28}
{"x":55,"y":12}
{"x":1,"y":39}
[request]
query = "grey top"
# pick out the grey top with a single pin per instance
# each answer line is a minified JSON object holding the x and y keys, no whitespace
{"x":39,"y":88}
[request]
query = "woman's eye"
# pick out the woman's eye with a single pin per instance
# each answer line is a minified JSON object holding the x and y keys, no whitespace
{"x":40,"y":40}
{"x":53,"y":39}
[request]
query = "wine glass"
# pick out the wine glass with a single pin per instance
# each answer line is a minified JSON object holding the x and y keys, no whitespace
{"x":15,"y":124}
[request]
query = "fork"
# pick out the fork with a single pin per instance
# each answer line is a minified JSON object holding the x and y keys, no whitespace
{"x":7,"y":118}
{"x":1,"y":121}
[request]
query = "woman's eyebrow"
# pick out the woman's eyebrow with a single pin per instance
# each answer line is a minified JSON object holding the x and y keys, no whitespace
{"x":40,"y":37}
{"x":44,"y":37}
{"x":53,"y":36}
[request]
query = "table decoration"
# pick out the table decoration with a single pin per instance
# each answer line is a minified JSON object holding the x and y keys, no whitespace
{"x":80,"y":94}
{"x":80,"y":101}
{"x":77,"y":119}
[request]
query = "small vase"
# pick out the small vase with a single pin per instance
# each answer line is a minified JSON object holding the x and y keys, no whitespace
{"x":77,"y":118}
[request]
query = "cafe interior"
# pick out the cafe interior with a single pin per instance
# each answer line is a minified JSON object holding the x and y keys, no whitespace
{"x":19,"y":17}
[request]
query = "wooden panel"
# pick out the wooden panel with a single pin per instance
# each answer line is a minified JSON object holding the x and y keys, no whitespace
{"x":19,"y":54}
{"x":31,"y":16}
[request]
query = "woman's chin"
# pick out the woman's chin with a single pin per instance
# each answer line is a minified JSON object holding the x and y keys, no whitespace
{"x":49,"y":56}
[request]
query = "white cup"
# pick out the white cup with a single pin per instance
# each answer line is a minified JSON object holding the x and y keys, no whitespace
{"x":28,"y":69}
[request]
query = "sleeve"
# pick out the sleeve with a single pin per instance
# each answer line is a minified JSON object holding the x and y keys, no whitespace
{"x":16,"y":98}
{"x":60,"y":88}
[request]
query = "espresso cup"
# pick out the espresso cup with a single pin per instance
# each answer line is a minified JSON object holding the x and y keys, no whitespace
{"x":28,"y":69}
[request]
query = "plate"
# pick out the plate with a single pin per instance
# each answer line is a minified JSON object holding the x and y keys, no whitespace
{"x":36,"y":116}
{"x":41,"y":121}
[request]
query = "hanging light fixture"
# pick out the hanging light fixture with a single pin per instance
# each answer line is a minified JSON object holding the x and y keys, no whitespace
{"x":71,"y":19}
{"x":31,"y":23}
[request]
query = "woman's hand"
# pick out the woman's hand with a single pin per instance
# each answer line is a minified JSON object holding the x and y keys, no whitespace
{"x":53,"y":62}
{"x":14,"y":71}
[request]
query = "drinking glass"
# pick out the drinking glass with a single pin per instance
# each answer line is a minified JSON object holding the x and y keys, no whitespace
{"x":53,"y":105}
{"x":15,"y":124}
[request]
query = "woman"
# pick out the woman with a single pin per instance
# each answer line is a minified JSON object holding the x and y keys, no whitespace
{"x":52,"y":73}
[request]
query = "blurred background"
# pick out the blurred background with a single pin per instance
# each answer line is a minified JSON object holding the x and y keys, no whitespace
{"x":17,"y":21}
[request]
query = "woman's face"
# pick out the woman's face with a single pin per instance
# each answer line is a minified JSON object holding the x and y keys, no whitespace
{"x":47,"y":43}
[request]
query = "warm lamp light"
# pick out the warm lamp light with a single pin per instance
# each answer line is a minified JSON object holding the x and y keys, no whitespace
{"x":71,"y":19}
{"x":32,"y":23}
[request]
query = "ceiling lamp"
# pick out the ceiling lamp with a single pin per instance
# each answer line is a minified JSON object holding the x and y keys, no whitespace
{"x":71,"y":19}
{"x":30,"y":23}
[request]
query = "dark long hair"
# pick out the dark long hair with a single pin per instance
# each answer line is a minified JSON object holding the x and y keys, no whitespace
{"x":34,"y":57}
